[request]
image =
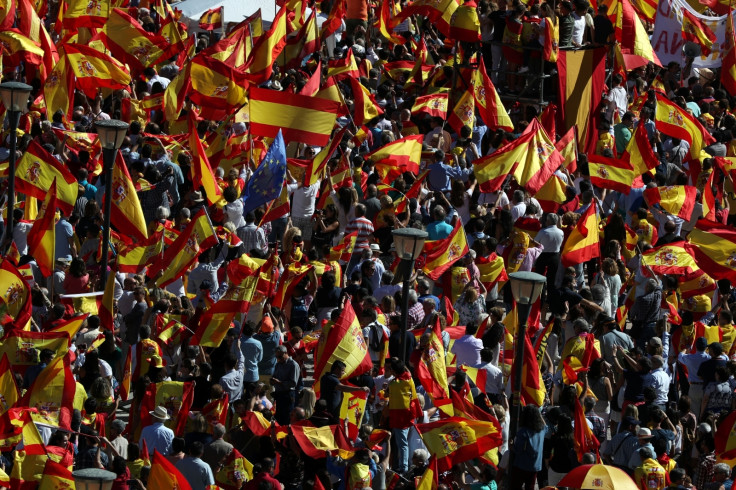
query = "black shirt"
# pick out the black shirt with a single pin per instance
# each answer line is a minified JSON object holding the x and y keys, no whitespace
{"x":603,"y":29}
{"x":330,"y":393}
{"x":394,"y":347}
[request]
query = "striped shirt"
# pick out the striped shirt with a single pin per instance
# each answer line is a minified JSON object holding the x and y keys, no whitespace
{"x":364,"y":228}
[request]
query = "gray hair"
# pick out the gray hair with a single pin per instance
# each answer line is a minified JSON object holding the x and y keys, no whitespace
{"x":423,"y":284}
{"x":185,"y":213}
{"x":413,"y":298}
{"x":423,"y":454}
{"x":722,"y":468}
{"x":553,"y":219}
{"x":581,"y":324}
{"x":218,"y":431}
{"x":162,"y":212}
{"x":646,"y":453}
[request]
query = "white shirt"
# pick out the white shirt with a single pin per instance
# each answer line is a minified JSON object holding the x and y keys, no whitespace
{"x":20,"y":236}
{"x":304,"y":199}
{"x":578,"y":28}
{"x":490,"y":198}
{"x":517,"y":211}
{"x":692,"y":362}
{"x":494,"y":379}
{"x":234,"y":212}
{"x":660,"y":381}
{"x":618,"y":96}
{"x":551,"y":238}
{"x":467,"y":350}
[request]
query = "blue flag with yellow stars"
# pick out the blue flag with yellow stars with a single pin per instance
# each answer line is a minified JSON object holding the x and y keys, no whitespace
{"x":266,"y":182}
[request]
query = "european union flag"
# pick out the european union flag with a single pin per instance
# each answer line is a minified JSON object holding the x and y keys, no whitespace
{"x":266,"y":182}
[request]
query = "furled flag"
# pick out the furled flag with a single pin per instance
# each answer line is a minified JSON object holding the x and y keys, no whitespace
{"x":165,"y":475}
{"x":696,"y":31}
{"x":533,"y":390}
{"x":672,"y":258}
{"x":198,"y":236}
{"x":455,"y":440}
{"x":266,"y":182}
{"x":582,"y":244}
{"x":202,"y":174}
{"x":305,"y":119}
{"x":441,"y":254}
{"x":714,"y":247}
{"x":345,"y":342}
{"x":36,"y":171}
{"x":673,"y":121}
{"x":212,"y":19}
{"x":42,"y":237}
{"x":677,"y":200}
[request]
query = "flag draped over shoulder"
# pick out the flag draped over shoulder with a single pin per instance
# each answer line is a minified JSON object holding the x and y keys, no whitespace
{"x":455,"y":440}
{"x":305,"y":119}
{"x":345,"y":342}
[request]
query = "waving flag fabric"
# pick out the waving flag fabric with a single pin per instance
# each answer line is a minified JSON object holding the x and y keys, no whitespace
{"x":211,"y":19}
{"x":94,"y":69}
{"x":728,"y":66}
{"x":678,"y":200}
{"x":455,"y":440}
{"x":673,"y":258}
{"x":15,"y":295}
{"x":127,"y":214}
{"x":165,"y":475}
{"x":672,"y":120}
{"x":42,"y":237}
{"x":130,"y":43}
{"x":266,"y":182}
{"x":441,"y":254}
{"x":611,"y":173}
{"x":714,"y":247}
{"x":696,"y":31}
{"x":53,"y":393}
{"x":582,"y":244}
{"x":36,"y":171}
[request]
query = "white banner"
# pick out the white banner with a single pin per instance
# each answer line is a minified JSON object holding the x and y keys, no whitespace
{"x":667,"y":38}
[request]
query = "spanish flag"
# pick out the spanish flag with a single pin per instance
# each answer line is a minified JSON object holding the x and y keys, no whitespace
{"x":673,"y":258}
{"x":430,"y":478}
{"x":492,"y":270}
{"x":305,"y":119}
{"x":343,"y":250}
{"x":15,"y":295}
{"x":71,"y":326}
{"x":56,"y":476}
{"x":352,"y":410}
{"x":438,"y":12}
{"x":403,"y":403}
{"x":304,"y":44}
{"x":83,"y":13}
{"x":677,"y":200}
{"x":216,"y":87}
{"x":551,"y":195}
{"x":582,"y":76}
{"x":16,"y":344}
{"x":131,"y":44}
{"x":94,"y":69}
{"x":364,"y":106}
{"x":568,"y":148}
{"x":432,"y":105}
{"x":58,"y":88}
{"x":53,"y":392}
{"x":42,"y":237}
{"x":127,"y":214}
{"x":585,"y":440}
{"x":632,"y":35}
{"x":267,"y":49}
{"x":176,"y":396}
{"x":211,"y":19}
{"x":317,"y":167}
{"x":403,"y":154}
{"x":344,"y":67}
{"x":455,"y":440}
{"x":7,"y":385}
{"x":345,"y":342}
{"x":672,"y":120}
{"x":714,"y":247}
{"x":315,"y":441}
{"x":235,"y":471}
{"x":728,"y":63}
{"x":611,"y":173}
{"x":135,"y":259}
{"x":696,"y":31}
{"x":464,"y":23}
{"x":696,"y":284}
{"x":487,"y":101}
{"x":639,"y":152}
{"x":385,"y":23}
{"x":463,"y":113}
{"x":202,"y":174}
{"x":198,"y":236}
{"x":582,"y":244}
{"x":431,"y":369}
{"x":127,"y":377}
{"x":293,"y":274}
{"x":215,"y":412}
{"x":216,"y":320}
{"x":29,"y":463}
{"x":36,"y":171}
{"x":257,"y":423}
{"x":171,"y":332}
{"x":165,"y":475}
{"x":441,"y":254}
{"x":533,"y":390}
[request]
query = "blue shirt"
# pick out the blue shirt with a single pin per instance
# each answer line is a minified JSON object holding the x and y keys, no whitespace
{"x":90,"y":191}
{"x":269,"y":342}
{"x":158,"y":437}
{"x":528,"y":449}
{"x":441,"y":175}
{"x":437,"y":230}
{"x":197,"y":472}
{"x":64,"y":233}
{"x":253,"y":354}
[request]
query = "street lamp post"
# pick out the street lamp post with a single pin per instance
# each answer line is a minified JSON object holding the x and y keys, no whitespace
{"x":526,"y":288}
{"x":111,"y":133}
{"x":93,"y":479}
{"x":15,"y":99}
{"x":409,"y":243}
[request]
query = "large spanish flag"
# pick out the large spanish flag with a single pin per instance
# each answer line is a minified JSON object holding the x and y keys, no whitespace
{"x":15,"y":294}
{"x":639,"y":152}
{"x":582,"y":244}
{"x":345,"y":342}
{"x":198,"y":236}
{"x":697,"y":31}
{"x":94,"y":69}
{"x":165,"y":475}
{"x":216,"y":87}
{"x":211,"y":19}
{"x":58,"y":91}
{"x":672,"y":120}
{"x":53,"y":393}
{"x":441,"y":254}
{"x":582,"y":76}
{"x":440,"y":12}
{"x":678,"y":200}
{"x":714,"y":247}
{"x":403,"y":154}
{"x":611,"y":173}
{"x":127,"y":214}
{"x":267,"y":49}
{"x":487,"y":101}
{"x":131,"y":44}
{"x":673,"y":258}
{"x":82,"y":13}
{"x":42,"y":237}
{"x":36,"y":171}
{"x":305,"y":119}
{"x":135,"y":259}
{"x":455,"y":440}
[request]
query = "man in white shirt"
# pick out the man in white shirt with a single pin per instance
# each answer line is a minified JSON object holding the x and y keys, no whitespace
{"x":302,"y":207}
{"x":618,"y":99}
{"x":551,"y":238}
{"x":692,"y":362}
{"x":518,"y":208}
{"x":494,"y":376}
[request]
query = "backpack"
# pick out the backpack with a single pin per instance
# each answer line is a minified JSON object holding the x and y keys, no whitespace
{"x":375,"y":337}
{"x":299,"y":312}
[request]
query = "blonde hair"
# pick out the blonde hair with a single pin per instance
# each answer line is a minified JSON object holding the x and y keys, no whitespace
{"x":308,"y":400}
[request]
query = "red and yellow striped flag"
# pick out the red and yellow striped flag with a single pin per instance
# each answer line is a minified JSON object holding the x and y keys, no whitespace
{"x":343,"y":250}
{"x":344,"y":67}
{"x":165,"y":475}
{"x":131,"y":44}
{"x":235,"y":471}
{"x":216,"y":87}
{"x":403,"y":155}
{"x":53,"y":393}
{"x":441,"y":254}
{"x":582,"y":244}
{"x":533,"y":390}
{"x":728,"y":64}
{"x":56,"y":476}
{"x":15,"y":295}
{"x":492,"y":270}
{"x":7,"y":385}
{"x":488,"y":102}
{"x":714,"y":247}
{"x":267,"y":49}
{"x":430,"y":478}
{"x":431,"y":369}
{"x":29,"y":463}
{"x":211,"y":19}
{"x":455,"y":440}
{"x":639,"y":152}
{"x":678,"y":200}
{"x":83,"y":13}
{"x":202,"y":174}
{"x":432,"y":105}
{"x":672,"y":120}
{"x":135,"y":259}
{"x":127,"y":213}
{"x":463,"y":113}
{"x":696,"y":31}
{"x":611,"y":173}
{"x":42,"y":237}
{"x":300,"y":118}
{"x":94,"y":69}
{"x":364,"y":106}
{"x":37,"y":169}
{"x":176,"y":396}
{"x":673,"y":258}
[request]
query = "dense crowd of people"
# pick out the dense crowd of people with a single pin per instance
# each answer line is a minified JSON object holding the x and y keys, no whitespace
{"x":621,"y":345}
